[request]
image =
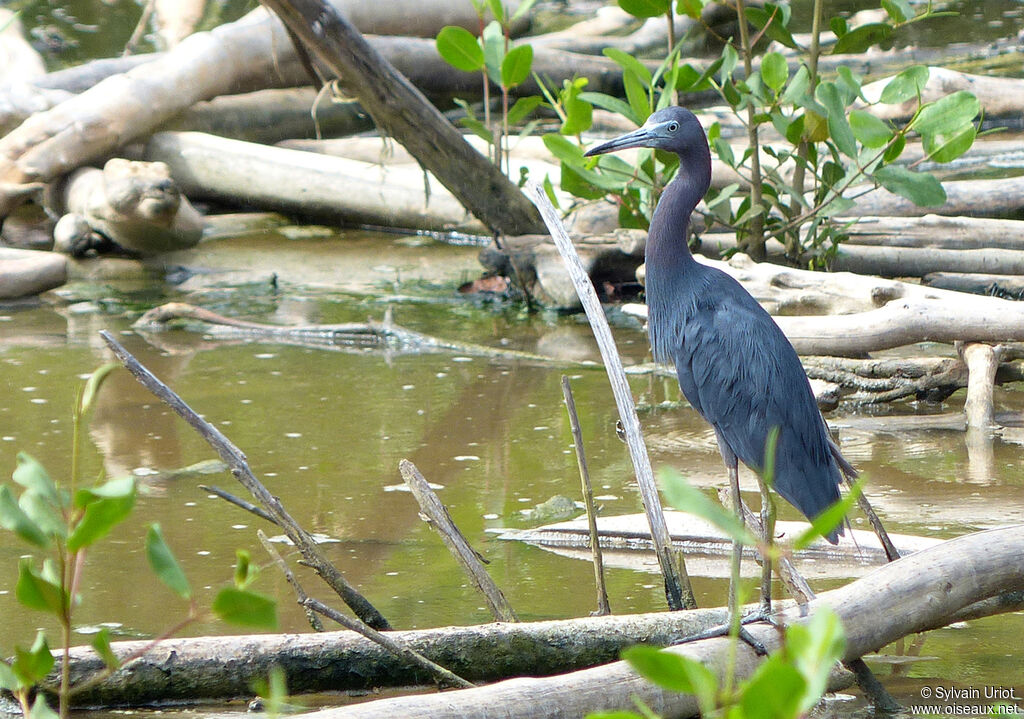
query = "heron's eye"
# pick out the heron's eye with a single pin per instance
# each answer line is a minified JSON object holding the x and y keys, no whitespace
{"x":673,"y":126}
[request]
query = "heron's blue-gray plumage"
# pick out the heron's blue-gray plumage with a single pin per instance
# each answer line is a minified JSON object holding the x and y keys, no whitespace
{"x":735,"y":366}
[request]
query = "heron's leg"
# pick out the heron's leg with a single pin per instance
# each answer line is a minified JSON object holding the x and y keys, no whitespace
{"x":768,"y":526}
{"x":737,"y":546}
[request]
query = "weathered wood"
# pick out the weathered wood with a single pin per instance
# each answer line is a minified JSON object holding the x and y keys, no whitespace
{"x":982,"y":361}
{"x":937,"y":231}
{"x":678,"y":592}
{"x":402,"y":112}
{"x":999,"y":96}
{"x":914,"y":594}
{"x":1006,"y":286}
{"x":434,"y":512}
{"x":307,"y":184}
{"x":28,"y":272}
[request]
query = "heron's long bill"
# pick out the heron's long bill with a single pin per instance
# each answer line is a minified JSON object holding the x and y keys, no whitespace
{"x":637,"y":138}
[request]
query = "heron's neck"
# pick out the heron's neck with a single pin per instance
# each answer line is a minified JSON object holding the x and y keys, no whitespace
{"x":667,"y":252}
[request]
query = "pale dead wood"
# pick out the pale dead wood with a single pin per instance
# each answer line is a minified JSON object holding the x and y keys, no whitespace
{"x":588,"y":497}
{"x":308,"y":184}
{"x":436,"y":514}
{"x":677,"y":584}
{"x":917,"y":593}
{"x":937,"y":231}
{"x":982,"y":362}
{"x":999,"y":96}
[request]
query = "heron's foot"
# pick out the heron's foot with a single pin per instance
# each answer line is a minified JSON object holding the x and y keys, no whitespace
{"x":722,"y":630}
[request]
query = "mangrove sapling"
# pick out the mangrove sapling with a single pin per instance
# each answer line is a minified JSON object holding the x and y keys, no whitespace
{"x":61,"y":523}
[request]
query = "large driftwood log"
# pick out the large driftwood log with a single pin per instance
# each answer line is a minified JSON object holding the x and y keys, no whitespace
{"x":307,"y":184}
{"x":979,"y":575}
{"x":937,"y":231}
{"x":910,"y":595}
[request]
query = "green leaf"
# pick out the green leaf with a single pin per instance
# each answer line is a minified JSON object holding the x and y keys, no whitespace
{"x":36,"y":591}
{"x":946,"y":148}
{"x":478,"y":128}
{"x":164,"y":564}
{"x":32,"y":665}
{"x":815,"y":647}
{"x":839,"y":26}
{"x":93,"y":384}
{"x":687,"y":498}
{"x":895,"y":149}
{"x":919,"y":187}
{"x":947,"y":115}
{"x":629,"y":64}
{"x":645,"y":8}
{"x":40,"y":709}
{"x":775,"y":691}
{"x":690,"y":8}
{"x":861,"y":38}
{"x":120,"y":488}
{"x":515,"y":68}
{"x":899,"y":10}
{"x":460,"y":49}
{"x":245,"y":608}
{"x":774,"y":20}
{"x":774,"y":70}
{"x":101,"y":515}
{"x":522,"y":9}
{"x":101,"y":644}
{"x":676,"y":672}
{"x":636,"y":95}
{"x":609,"y":103}
{"x":14,"y":518}
{"x":522,"y":108}
{"x":497,"y":9}
{"x":869,"y":130}
{"x":828,"y":94}
{"x":905,"y":86}
{"x":8,"y":679}
{"x":494,"y":50}
{"x":32,"y":475}
{"x":46,"y":516}
{"x":245,"y":570}
{"x":831,"y":518}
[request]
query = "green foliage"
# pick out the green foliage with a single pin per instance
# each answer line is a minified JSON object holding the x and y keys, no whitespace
{"x":58,"y":525}
{"x":832,"y":138}
{"x":786,"y":685}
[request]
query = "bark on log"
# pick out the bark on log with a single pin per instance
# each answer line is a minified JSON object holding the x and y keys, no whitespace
{"x":937,"y":231}
{"x":1006,"y":286}
{"x":122,"y":107}
{"x":910,"y":595}
{"x":999,"y":96}
{"x":978,"y":575}
{"x":187,"y":669}
{"x":982,"y":361}
{"x":402,"y":112}
{"x":306,"y":184}
{"x":920,"y":261}
{"x":269,"y":116}
{"x":974,"y":198}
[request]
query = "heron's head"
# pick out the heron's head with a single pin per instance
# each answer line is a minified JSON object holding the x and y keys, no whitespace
{"x":675,"y":129}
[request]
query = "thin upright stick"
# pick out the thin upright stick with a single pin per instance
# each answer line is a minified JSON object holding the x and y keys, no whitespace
{"x":289,"y":575}
{"x":588,"y":498}
{"x":437,"y":514}
{"x":236,"y":461}
{"x":678,"y":591}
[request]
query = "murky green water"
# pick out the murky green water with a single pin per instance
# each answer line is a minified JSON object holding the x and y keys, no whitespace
{"x":325,"y":431}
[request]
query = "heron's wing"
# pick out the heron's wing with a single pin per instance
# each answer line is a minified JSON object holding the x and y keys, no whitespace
{"x":745,"y":377}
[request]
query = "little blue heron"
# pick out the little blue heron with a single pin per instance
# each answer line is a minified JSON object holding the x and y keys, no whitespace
{"x":735,"y":366}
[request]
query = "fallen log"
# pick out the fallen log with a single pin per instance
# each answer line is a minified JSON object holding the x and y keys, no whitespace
{"x":980,"y":575}
{"x":937,"y":231}
{"x":999,"y":96}
{"x":914,"y":594}
{"x":307,"y":184}
{"x":27,"y":272}
{"x":1008,"y":287}
{"x":269,"y":116}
